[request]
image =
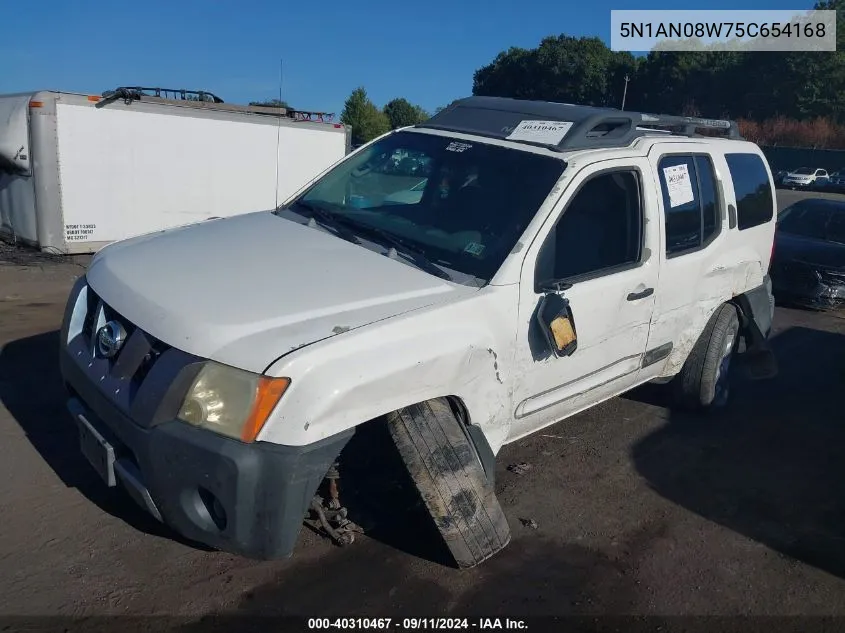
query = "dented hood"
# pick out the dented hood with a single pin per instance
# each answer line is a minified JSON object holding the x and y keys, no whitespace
{"x":248,"y":289}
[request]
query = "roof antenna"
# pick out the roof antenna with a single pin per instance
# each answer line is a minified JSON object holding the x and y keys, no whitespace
{"x":279,"y":129}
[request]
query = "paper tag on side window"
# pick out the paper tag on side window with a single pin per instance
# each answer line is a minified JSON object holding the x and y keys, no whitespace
{"x":678,"y":184}
{"x":547,"y":132}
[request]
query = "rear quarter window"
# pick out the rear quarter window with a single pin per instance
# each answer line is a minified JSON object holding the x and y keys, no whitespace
{"x":754,"y":200}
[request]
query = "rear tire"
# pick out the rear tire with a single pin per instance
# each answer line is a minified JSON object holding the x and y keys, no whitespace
{"x":704,"y":380}
{"x":447,"y":471}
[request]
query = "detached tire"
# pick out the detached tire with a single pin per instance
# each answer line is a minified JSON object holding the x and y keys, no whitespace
{"x":704,"y":380}
{"x":446,"y":470}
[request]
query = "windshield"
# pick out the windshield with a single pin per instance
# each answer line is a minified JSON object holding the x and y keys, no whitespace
{"x":804,"y":171}
{"x":461,"y":205}
{"x":816,"y":221}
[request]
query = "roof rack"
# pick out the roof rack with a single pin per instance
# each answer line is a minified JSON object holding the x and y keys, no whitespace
{"x":317,"y":117}
{"x":590,"y":127}
{"x":135,"y":93}
{"x":207,"y":100}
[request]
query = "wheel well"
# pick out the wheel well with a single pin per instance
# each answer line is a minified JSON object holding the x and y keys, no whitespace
{"x":459,"y":409}
{"x":476,"y":436}
{"x":740,"y":304}
{"x":376,"y":487}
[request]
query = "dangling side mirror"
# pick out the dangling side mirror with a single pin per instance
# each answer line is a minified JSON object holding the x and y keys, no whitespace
{"x":557,"y":323}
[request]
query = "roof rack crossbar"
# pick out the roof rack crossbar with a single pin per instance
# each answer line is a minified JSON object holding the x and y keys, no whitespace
{"x":627,"y":126}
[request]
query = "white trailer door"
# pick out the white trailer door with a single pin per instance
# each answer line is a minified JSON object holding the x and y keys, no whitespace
{"x":17,"y":191}
{"x":125,"y":172}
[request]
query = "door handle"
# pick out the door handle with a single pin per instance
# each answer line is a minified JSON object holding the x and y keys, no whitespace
{"x":731,"y":216}
{"x":635,"y":296}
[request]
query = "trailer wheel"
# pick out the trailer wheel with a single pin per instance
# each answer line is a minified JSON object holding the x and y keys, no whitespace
{"x":448,"y":474}
{"x":704,"y":380}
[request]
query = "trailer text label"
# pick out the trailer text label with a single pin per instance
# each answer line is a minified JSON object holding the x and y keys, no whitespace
{"x":79,"y":232}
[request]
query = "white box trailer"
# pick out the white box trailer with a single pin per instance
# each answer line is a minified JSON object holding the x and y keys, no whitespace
{"x":78,"y":171}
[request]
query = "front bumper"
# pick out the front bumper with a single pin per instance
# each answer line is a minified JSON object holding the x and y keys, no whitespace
{"x":797,"y":184}
{"x":248,"y":499}
{"x":803,"y":285}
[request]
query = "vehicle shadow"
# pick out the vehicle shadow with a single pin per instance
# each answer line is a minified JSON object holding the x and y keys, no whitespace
{"x":533,"y":576}
{"x":32,"y":391}
{"x":770,"y":465}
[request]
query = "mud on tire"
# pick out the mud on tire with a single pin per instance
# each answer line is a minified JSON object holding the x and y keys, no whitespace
{"x":446,"y":470}
{"x":703,"y":382}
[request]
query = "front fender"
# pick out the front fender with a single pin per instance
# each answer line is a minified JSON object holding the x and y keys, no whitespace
{"x":462,"y":349}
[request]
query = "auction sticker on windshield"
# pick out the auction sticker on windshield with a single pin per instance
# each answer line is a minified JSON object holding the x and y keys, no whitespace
{"x":474,"y":248}
{"x":547,"y":132}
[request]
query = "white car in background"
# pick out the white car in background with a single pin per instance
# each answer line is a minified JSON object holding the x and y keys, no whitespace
{"x":804,"y":177}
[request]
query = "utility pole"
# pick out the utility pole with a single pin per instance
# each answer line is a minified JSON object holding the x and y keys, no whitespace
{"x":625,"y":93}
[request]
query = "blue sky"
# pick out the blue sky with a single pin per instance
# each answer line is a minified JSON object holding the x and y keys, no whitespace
{"x":424,"y":51}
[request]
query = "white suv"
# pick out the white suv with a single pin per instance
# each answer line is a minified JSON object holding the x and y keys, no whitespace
{"x":804,"y":177}
{"x":556,"y":257}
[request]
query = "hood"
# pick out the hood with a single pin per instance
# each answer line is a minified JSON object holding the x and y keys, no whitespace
{"x":821,"y":253}
{"x":248,"y":289}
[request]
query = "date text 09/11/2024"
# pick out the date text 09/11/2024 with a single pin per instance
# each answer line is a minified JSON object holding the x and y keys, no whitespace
{"x":412,"y":624}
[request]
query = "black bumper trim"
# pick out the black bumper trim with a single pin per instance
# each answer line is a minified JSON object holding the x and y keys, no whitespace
{"x":131,"y":479}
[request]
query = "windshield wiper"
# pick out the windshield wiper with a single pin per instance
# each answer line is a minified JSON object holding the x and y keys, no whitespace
{"x":347,"y":228}
{"x":416,"y":255}
{"x":330,"y":220}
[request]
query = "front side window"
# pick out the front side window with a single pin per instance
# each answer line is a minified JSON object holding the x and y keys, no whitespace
{"x":600,"y":230}
{"x":461,"y":204}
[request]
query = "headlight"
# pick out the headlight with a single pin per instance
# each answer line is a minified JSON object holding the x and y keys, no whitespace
{"x":231,"y":401}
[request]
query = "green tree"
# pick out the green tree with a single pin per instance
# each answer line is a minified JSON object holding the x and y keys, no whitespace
{"x":715,"y":81}
{"x":579,"y":70}
{"x":365,"y":119}
{"x":402,"y":112}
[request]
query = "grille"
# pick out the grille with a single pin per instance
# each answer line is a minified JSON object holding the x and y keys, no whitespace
{"x":832,"y":277}
{"x":140,"y":351}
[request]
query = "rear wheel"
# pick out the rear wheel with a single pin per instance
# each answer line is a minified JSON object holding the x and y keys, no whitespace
{"x":704,"y":380}
{"x":447,"y":471}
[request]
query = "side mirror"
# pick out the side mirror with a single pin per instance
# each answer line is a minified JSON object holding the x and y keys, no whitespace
{"x":557,"y":324}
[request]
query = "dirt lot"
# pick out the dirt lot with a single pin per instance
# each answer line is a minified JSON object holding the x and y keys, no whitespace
{"x":638,"y":510}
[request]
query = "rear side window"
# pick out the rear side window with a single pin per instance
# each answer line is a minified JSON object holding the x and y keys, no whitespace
{"x":754,"y":202}
{"x":690,"y":201}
